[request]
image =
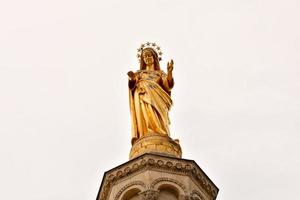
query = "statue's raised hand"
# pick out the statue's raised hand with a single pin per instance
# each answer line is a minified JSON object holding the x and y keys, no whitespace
{"x":131,"y":75}
{"x":170,"y":66}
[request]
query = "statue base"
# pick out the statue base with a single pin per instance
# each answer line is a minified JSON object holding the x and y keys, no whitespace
{"x":158,"y":144}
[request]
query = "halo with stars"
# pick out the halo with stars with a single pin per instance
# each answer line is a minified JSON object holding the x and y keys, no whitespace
{"x":153,"y":46}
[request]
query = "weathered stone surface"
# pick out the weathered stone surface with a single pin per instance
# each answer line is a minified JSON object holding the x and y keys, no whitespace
{"x":153,"y":177}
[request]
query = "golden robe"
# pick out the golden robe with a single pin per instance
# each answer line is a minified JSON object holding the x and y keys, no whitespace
{"x":150,"y":102}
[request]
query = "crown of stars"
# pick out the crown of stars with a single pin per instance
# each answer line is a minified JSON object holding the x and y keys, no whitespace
{"x":153,"y":46}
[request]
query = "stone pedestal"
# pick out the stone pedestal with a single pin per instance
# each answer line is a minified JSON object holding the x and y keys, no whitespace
{"x":157,"y":144}
{"x":157,"y":177}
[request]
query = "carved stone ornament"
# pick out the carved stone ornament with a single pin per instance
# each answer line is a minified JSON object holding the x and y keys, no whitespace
{"x":196,"y":196}
{"x":149,"y":194}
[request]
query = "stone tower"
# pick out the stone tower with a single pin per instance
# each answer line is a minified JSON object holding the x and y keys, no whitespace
{"x":156,"y":171}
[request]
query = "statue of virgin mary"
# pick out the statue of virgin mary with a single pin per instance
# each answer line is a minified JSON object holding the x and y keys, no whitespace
{"x":150,"y":94}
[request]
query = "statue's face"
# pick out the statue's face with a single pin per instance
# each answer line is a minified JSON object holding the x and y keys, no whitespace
{"x":148,"y":57}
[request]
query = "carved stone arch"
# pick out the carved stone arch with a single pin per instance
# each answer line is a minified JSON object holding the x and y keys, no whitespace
{"x":136,"y":185}
{"x":171,"y":182}
{"x":195,"y":195}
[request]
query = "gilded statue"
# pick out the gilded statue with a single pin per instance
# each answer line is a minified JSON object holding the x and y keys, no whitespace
{"x":150,"y":94}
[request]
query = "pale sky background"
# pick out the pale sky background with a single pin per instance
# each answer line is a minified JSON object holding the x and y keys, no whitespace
{"x":64,"y":115}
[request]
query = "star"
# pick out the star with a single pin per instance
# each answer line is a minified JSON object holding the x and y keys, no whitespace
{"x":153,"y":44}
{"x":158,"y":48}
{"x":148,"y":43}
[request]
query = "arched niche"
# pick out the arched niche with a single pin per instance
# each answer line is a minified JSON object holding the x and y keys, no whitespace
{"x":168,"y":188}
{"x":130,"y":191}
{"x":168,"y":191}
{"x":131,"y":194}
{"x":169,"y":183}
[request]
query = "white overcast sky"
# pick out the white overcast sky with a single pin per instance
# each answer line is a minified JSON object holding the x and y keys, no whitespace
{"x":64,"y":116}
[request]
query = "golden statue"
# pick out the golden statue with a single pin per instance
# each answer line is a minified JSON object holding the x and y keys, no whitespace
{"x":149,"y":94}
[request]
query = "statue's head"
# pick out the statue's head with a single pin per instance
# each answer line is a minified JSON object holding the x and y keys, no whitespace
{"x":149,"y":57}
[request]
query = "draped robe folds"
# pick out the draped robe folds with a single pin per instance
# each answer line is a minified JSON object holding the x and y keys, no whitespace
{"x":150,"y":103}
